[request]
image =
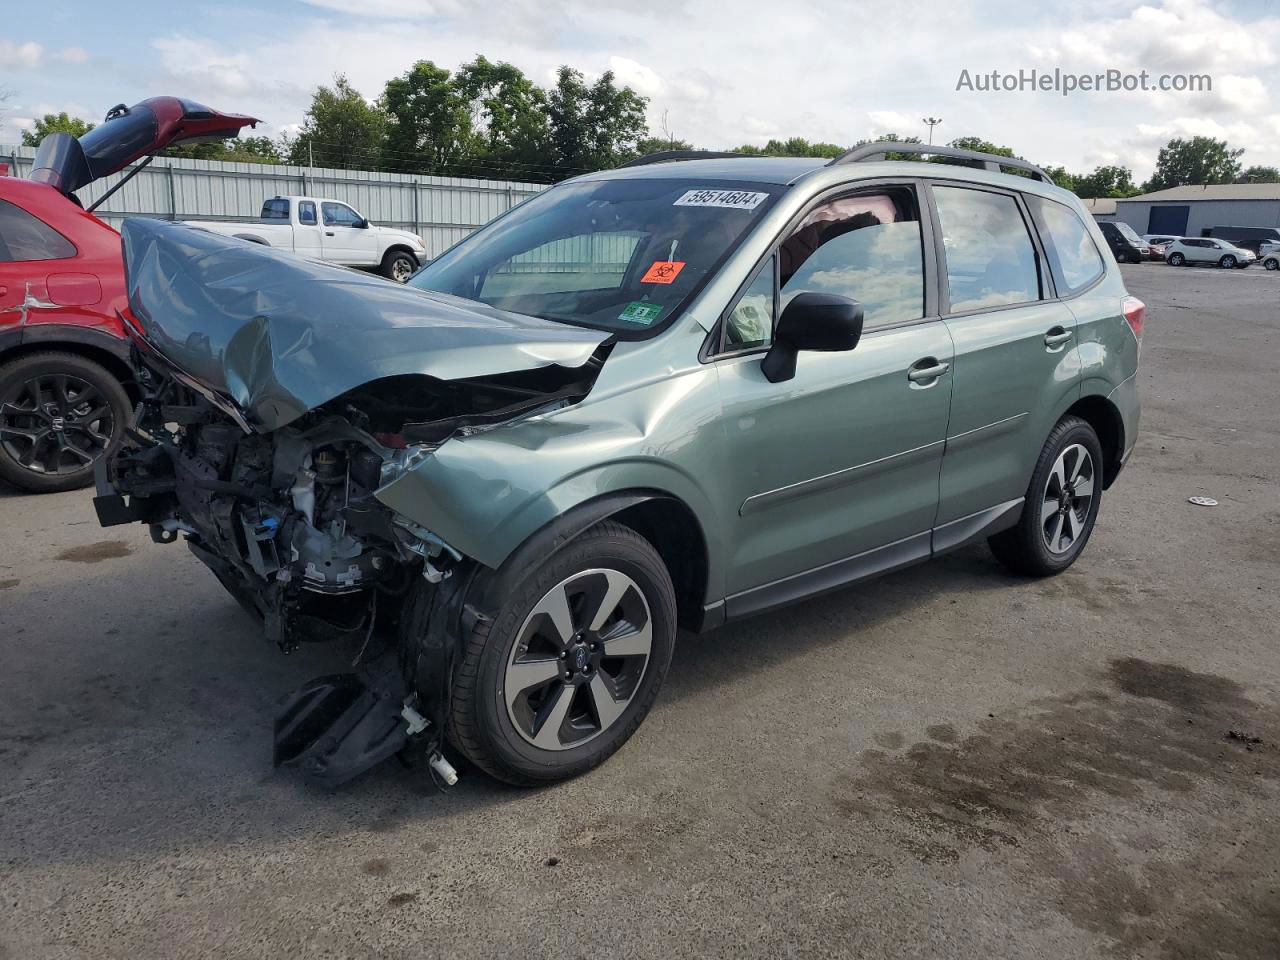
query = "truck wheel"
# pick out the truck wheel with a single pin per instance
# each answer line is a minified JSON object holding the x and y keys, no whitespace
{"x":398,"y":266}
{"x":571,"y":663}
{"x":1061,"y":504}
{"x":59,"y":413}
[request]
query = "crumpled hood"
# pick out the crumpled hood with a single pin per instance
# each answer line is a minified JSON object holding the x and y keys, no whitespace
{"x":279,"y":335}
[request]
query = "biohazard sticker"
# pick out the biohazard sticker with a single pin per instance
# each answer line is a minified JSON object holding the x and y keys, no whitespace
{"x":637,"y":311}
{"x":730,"y":199}
{"x":663,"y":271}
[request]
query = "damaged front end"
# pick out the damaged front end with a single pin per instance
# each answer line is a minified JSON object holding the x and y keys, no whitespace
{"x":279,"y":498}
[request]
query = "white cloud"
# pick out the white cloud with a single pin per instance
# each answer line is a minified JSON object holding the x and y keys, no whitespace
{"x":200,"y":62}
{"x":636,"y":76}
{"x":20,"y":56}
{"x":73,"y":55}
{"x":891,"y":121}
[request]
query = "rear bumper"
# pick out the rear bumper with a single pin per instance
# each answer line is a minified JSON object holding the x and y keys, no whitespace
{"x":1125,"y":398}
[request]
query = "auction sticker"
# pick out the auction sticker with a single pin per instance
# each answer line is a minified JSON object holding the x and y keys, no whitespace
{"x":663,"y":271}
{"x":637,"y":311}
{"x":731,"y":199}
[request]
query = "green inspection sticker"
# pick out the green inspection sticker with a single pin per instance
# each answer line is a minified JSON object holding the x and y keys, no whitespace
{"x":637,"y":311}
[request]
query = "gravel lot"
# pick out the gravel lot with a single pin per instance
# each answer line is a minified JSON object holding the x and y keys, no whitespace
{"x":945,"y":763}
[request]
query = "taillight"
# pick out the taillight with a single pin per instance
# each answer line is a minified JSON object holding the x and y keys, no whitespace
{"x":1134,"y":310}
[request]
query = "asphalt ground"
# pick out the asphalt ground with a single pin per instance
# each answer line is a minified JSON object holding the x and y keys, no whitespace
{"x":948,"y":762}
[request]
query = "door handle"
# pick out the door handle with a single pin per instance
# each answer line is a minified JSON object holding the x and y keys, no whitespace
{"x":928,"y":369}
{"x":1056,"y":337}
{"x":328,"y":233}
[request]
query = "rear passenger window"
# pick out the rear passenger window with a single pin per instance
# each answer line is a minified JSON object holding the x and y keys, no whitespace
{"x":867,"y":248}
{"x":990,"y":258}
{"x":1073,"y":256}
{"x":24,"y":238}
{"x":307,"y":213}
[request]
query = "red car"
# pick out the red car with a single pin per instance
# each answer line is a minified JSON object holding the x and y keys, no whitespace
{"x":65,"y":392}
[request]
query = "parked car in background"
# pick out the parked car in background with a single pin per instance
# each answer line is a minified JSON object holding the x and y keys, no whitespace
{"x":1269,"y":254}
{"x":328,"y":230}
{"x":66,"y":390}
{"x":672,"y":394}
{"x":1126,"y":246}
{"x":1188,"y":251}
{"x":1247,"y":238}
{"x":1159,"y":244}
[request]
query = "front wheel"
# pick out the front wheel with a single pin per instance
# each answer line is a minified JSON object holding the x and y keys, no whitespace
{"x":1228,"y":262}
{"x":1061,"y":504}
{"x":59,"y":412}
{"x":571,"y":663}
{"x":1176,"y":260}
{"x":398,"y":265}
{"x":1271,"y":263}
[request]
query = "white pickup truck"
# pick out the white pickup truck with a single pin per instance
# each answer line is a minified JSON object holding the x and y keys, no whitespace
{"x":327,"y":230}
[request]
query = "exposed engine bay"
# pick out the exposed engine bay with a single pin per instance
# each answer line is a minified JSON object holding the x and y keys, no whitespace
{"x":289,"y":523}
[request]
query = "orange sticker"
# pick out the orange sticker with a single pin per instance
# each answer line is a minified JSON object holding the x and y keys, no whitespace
{"x":663,"y":271}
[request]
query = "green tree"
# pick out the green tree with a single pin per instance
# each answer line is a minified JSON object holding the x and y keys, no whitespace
{"x":1257,"y":174}
{"x":1061,"y":177}
{"x":792,"y":147}
{"x":1199,"y":160}
{"x":247,"y":150}
{"x":428,"y":121}
{"x":593,"y":127}
{"x":341,"y":129}
{"x":507,"y":115}
{"x":1106,"y":181}
{"x":55,"y":123}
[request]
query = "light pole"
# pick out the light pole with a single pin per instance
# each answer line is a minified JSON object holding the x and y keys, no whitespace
{"x":932,"y":122}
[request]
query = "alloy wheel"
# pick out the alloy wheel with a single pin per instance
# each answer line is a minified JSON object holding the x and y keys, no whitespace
{"x":1068,"y":499}
{"x":578,"y":659}
{"x":55,"y":424}
{"x":401,"y":270}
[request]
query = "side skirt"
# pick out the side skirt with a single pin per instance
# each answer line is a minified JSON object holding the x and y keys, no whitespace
{"x":864,"y":566}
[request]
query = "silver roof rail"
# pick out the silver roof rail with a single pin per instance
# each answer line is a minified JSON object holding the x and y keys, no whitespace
{"x":989,"y":161}
{"x":669,"y":156}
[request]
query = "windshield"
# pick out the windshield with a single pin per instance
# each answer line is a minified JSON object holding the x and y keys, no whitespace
{"x":617,"y":255}
{"x":1128,"y":232}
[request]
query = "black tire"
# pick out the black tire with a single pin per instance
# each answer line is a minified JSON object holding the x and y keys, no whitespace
{"x":481,"y":722}
{"x":1024,"y":548}
{"x":1272,"y":263}
{"x":398,"y":265}
{"x":81,"y":379}
{"x":1176,"y":260}
{"x":1228,"y":262}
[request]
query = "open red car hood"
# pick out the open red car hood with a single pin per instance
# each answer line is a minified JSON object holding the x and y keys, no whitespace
{"x":67,"y":163}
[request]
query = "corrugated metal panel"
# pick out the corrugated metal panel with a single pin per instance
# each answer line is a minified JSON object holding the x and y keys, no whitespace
{"x":442,"y":210}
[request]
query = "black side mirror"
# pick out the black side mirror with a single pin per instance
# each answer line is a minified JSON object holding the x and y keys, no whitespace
{"x":811,"y":321}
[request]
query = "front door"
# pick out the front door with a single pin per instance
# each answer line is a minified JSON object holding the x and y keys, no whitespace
{"x":844,"y":458}
{"x":1015,"y":356}
{"x":347,"y":237}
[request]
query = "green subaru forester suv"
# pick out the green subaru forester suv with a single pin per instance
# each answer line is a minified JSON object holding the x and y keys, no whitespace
{"x":664,"y":396}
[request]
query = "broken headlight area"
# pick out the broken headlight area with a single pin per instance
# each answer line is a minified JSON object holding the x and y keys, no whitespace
{"x":289,"y":523}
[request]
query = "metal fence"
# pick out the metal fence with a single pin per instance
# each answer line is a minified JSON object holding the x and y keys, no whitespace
{"x":442,"y":210}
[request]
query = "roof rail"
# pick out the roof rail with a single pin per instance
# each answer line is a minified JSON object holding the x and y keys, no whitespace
{"x":989,"y":161}
{"x":667,"y":156}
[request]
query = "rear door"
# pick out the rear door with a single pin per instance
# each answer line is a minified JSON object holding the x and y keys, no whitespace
{"x":30,"y":250}
{"x":347,"y":237}
{"x":843,"y":458}
{"x":1015,"y":357}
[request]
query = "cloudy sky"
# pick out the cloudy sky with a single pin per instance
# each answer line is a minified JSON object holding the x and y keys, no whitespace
{"x":722,"y":73}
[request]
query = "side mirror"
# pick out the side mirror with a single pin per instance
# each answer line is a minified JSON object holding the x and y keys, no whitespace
{"x":811,"y":321}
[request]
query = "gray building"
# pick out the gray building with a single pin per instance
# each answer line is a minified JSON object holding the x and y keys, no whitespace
{"x":1187,"y":211}
{"x":1102,"y":208}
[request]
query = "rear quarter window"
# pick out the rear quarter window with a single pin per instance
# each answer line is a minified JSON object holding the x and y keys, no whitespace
{"x":1073,"y":257}
{"x":277,"y":209}
{"x":24,"y":238}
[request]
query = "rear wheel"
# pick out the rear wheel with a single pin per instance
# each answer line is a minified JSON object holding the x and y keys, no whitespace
{"x":1271,"y":263}
{"x":1228,"y":262}
{"x":59,"y":412}
{"x":398,"y":265}
{"x":572,"y":662}
{"x":1061,"y":504}
{"x":1176,"y":260}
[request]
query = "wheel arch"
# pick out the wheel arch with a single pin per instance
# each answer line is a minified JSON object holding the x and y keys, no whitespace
{"x":668,"y":523}
{"x":113,"y":360}
{"x":252,"y":238}
{"x":399,"y":247}
{"x":1104,"y":416}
